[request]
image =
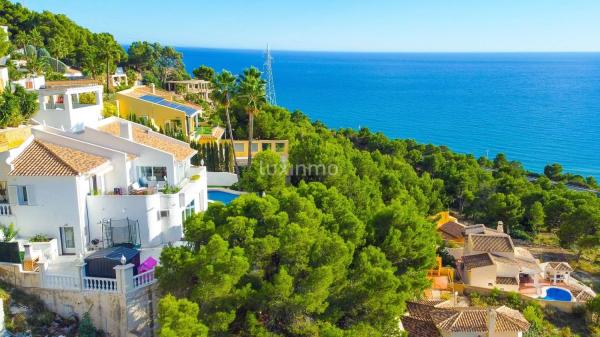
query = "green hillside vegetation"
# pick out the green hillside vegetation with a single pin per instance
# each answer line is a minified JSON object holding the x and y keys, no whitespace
{"x":64,"y":39}
{"x":284,"y":264}
{"x":338,"y":249}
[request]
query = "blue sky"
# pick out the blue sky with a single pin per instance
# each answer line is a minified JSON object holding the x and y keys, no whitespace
{"x":345,"y":25}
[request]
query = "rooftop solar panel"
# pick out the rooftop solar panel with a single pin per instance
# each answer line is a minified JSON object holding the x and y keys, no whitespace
{"x":159,"y":100}
{"x":153,"y":99}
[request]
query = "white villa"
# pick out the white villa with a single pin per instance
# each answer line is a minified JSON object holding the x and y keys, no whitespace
{"x":86,"y":180}
{"x":194,"y":86}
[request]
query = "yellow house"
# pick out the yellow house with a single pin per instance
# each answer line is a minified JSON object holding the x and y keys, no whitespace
{"x":278,"y":146}
{"x":160,"y":108}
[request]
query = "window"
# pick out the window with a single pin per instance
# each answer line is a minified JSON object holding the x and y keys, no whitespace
{"x":266,"y":146}
{"x":238,"y":147}
{"x":190,"y":209}
{"x":23,"y":195}
{"x":164,"y":214}
{"x":254,"y":147}
{"x":151,"y":173}
{"x":279,"y":147}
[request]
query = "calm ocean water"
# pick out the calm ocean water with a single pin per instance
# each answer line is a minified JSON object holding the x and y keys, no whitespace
{"x":537,"y":108}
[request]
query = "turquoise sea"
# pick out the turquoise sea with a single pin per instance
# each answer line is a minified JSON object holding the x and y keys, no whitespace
{"x":537,"y":108}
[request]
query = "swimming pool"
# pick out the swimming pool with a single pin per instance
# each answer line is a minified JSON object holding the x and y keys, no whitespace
{"x":557,"y":294}
{"x":222,"y":196}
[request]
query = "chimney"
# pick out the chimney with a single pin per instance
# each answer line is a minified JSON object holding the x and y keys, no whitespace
{"x":491,"y":322}
{"x":500,"y":227}
{"x":126,"y":130}
{"x":153,"y":87}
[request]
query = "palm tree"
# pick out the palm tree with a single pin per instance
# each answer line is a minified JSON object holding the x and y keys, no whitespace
{"x":253,"y":96}
{"x":223,"y":87}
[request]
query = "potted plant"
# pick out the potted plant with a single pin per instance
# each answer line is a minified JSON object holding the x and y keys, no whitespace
{"x":9,"y":249}
{"x":45,"y":244}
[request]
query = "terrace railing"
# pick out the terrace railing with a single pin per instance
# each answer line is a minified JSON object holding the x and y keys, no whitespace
{"x":144,"y":279}
{"x":100,"y":284}
{"x":66,"y":282}
{"x":5,"y":209}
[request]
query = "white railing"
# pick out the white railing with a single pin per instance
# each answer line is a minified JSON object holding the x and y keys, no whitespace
{"x":67,"y":282}
{"x":5,"y":209}
{"x":100,"y":284}
{"x":144,"y":279}
{"x":97,"y":284}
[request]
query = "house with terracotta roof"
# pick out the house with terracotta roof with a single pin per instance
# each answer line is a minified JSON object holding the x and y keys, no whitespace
{"x":452,"y":230}
{"x":557,"y":271}
{"x":441,"y":318}
{"x":491,"y":260}
{"x":87,"y":181}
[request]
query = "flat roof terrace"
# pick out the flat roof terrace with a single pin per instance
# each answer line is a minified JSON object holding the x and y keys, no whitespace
{"x":164,"y":98}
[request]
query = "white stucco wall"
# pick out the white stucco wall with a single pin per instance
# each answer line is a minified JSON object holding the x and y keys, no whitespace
{"x":143,"y":208}
{"x":71,"y":117}
{"x":56,"y":202}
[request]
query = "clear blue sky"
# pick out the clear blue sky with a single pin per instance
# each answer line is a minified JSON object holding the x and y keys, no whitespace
{"x":348,"y":25}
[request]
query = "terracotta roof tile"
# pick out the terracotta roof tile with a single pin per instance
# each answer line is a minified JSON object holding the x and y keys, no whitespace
{"x":560,"y":266}
{"x":452,"y":230}
{"x":506,"y":280}
{"x":150,"y":138}
{"x":469,"y":319}
{"x":476,"y":320}
{"x":419,"y":328}
{"x":48,"y":159}
{"x":477,"y":261}
{"x":419,"y":310}
{"x":491,"y":243}
{"x":503,"y":259}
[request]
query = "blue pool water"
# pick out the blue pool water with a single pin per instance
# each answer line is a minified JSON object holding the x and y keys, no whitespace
{"x":557,"y":294}
{"x":537,"y":108}
{"x":224,"y":197}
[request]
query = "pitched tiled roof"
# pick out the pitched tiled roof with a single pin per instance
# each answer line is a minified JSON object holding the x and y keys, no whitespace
{"x":510,"y":320}
{"x":419,"y":310}
{"x":419,"y":327}
{"x":149,"y":138}
{"x":560,"y":266}
{"x":491,"y":243}
{"x":47,"y":159}
{"x":476,"y":320}
{"x":581,"y":295}
{"x":469,"y":319}
{"x":477,"y":261}
{"x":452,"y":230}
{"x":506,"y":280}
{"x":503,"y":259}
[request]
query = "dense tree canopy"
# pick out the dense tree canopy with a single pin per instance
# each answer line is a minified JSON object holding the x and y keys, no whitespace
{"x":157,"y":63}
{"x":16,"y":106}
{"x":63,"y":38}
{"x":299,"y":262}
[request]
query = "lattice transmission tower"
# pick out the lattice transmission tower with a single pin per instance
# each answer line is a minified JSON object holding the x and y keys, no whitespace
{"x":271,"y":97}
